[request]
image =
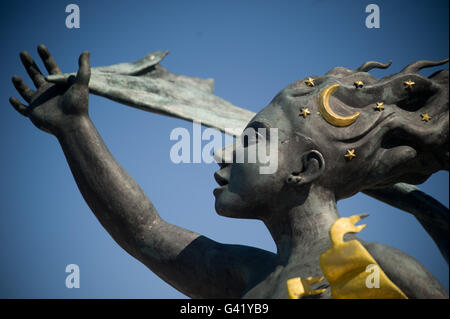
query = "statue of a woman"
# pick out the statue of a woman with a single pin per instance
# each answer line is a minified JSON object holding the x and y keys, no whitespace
{"x":394,"y":129}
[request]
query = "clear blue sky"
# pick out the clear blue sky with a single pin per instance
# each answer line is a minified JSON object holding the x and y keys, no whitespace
{"x":252,"y":49}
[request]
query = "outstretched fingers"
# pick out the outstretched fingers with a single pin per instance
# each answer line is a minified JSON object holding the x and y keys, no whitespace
{"x":22,"y":109}
{"x":84,"y":70}
{"x":48,"y":60}
{"x":22,"y":88}
{"x":32,"y":69}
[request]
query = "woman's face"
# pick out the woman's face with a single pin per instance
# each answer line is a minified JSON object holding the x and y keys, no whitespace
{"x":246,"y":189}
{"x":391,"y":145}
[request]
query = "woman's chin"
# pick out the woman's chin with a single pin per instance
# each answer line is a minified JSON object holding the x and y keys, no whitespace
{"x":228,"y":204}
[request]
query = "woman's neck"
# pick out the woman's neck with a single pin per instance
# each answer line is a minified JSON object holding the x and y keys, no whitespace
{"x":302,"y":230}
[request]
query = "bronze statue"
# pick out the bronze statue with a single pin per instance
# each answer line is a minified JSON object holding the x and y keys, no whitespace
{"x":339,"y":134}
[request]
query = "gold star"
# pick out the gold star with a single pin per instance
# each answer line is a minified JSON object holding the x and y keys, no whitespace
{"x":310,"y":82}
{"x":425,"y":117}
{"x":305,"y":112}
{"x":380,"y":106}
{"x":409,"y":84}
{"x":350,"y":154}
{"x":359,"y":84}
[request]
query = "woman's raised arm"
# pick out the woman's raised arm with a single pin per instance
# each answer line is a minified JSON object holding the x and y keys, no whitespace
{"x":193,"y":264}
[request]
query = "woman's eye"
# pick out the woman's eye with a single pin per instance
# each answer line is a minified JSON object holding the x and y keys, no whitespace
{"x":261,"y":134}
{"x":252,"y":136}
{"x":249,"y":139}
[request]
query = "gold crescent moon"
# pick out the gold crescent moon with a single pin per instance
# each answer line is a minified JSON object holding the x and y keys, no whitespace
{"x":327,"y":112}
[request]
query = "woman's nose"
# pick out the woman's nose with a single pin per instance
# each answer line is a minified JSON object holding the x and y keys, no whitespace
{"x":225,"y":155}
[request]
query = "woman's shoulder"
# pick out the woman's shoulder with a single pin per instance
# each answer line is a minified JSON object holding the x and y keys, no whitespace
{"x":406,"y":272}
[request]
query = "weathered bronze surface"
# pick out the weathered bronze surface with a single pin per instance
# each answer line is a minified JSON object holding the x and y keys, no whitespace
{"x":392,"y":147}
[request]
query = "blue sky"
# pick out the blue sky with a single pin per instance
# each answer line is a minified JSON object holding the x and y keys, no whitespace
{"x":252,"y":49}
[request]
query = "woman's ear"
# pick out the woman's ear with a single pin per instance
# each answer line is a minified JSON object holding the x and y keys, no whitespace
{"x":313,"y":165}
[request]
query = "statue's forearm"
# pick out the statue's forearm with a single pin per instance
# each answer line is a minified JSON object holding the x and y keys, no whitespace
{"x":115,"y":198}
{"x":184,"y":259}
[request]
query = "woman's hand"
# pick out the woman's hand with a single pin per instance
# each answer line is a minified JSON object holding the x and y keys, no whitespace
{"x":52,"y":106}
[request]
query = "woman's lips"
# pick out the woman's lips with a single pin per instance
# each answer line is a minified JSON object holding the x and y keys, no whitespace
{"x":218,"y":190}
{"x":222,"y":181}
